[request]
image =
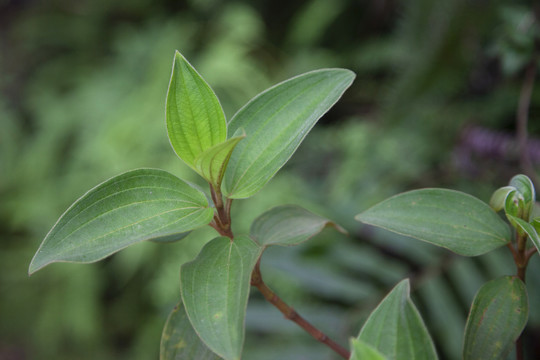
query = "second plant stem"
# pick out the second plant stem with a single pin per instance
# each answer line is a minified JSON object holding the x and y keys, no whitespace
{"x":222,"y":224}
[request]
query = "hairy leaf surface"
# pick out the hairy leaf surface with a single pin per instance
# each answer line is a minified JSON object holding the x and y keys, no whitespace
{"x":212,"y":163}
{"x":179,"y":341}
{"x":195,"y":119}
{"x":498,"y":315}
{"x":395,"y":328}
{"x":215,"y":289}
{"x":362,"y":351}
{"x":288,"y":225}
{"x":447,"y":218}
{"x":143,"y":204}
{"x":276,"y":121}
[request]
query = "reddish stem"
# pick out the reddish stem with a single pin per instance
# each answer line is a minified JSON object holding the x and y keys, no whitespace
{"x":291,"y":314}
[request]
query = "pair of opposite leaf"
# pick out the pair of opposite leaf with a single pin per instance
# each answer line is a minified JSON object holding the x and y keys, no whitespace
{"x":151,"y":204}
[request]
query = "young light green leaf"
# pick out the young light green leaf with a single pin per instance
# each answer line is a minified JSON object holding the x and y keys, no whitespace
{"x":362,"y":351}
{"x":144,"y":204}
{"x":211,"y":164}
{"x":179,"y":341}
{"x":215,"y":289}
{"x":526,"y":188}
{"x":395,"y":328}
{"x":526,"y":228}
{"x":446,"y":218}
{"x":288,"y":225}
{"x":195,"y":119}
{"x":498,"y":315}
{"x":498,"y":199}
{"x":513,"y":205}
{"x":276,"y":121}
{"x":536,"y":224}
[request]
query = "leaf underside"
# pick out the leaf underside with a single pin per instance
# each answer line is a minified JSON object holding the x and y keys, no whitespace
{"x":288,"y":225}
{"x":446,"y":218}
{"x":143,"y":204}
{"x":215,"y":289}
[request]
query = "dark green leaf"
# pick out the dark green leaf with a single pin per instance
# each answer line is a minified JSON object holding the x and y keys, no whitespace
{"x":288,"y":225}
{"x":215,"y":289}
{"x":276,"y":121}
{"x":498,"y":315}
{"x":447,"y":218}
{"x":395,"y":328}
{"x":144,"y":204}
{"x":180,"y":342}
{"x":195,"y":119}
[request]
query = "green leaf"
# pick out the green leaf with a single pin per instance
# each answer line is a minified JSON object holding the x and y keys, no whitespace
{"x":288,"y":225}
{"x":276,"y":121}
{"x":513,"y":204}
{"x":498,"y":315}
{"x":363,"y":351}
{"x":498,"y":199}
{"x":195,"y":119}
{"x":179,"y":341}
{"x":144,"y":204}
{"x":526,"y":228}
{"x":212,"y":163}
{"x":215,"y":289}
{"x":395,"y":328}
{"x":170,"y":239}
{"x":446,"y":218}
{"x":525,"y":186}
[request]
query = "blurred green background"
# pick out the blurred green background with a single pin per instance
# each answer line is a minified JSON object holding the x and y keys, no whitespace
{"x":83,"y":87}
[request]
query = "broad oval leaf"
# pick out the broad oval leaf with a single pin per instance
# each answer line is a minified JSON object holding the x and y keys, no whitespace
{"x":498,"y":316}
{"x":288,"y":225}
{"x":143,"y":204}
{"x":396,"y":329}
{"x":446,"y":218}
{"x":526,"y":228}
{"x":180,"y":342}
{"x":276,"y":121}
{"x":212,"y":163}
{"x":215,"y":289}
{"x":195,"y":119}
{"x":362,"y":351}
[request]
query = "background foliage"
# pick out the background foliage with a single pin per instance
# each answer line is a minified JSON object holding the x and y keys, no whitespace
{"x":83,"y":88}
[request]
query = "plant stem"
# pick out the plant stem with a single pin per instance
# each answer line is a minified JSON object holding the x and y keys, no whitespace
{"x":222,"y":224}
{"x":522,"y":118}
{"x":291,"y":314}
{"x":222,"y":217}
{"x":521,"y":258}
